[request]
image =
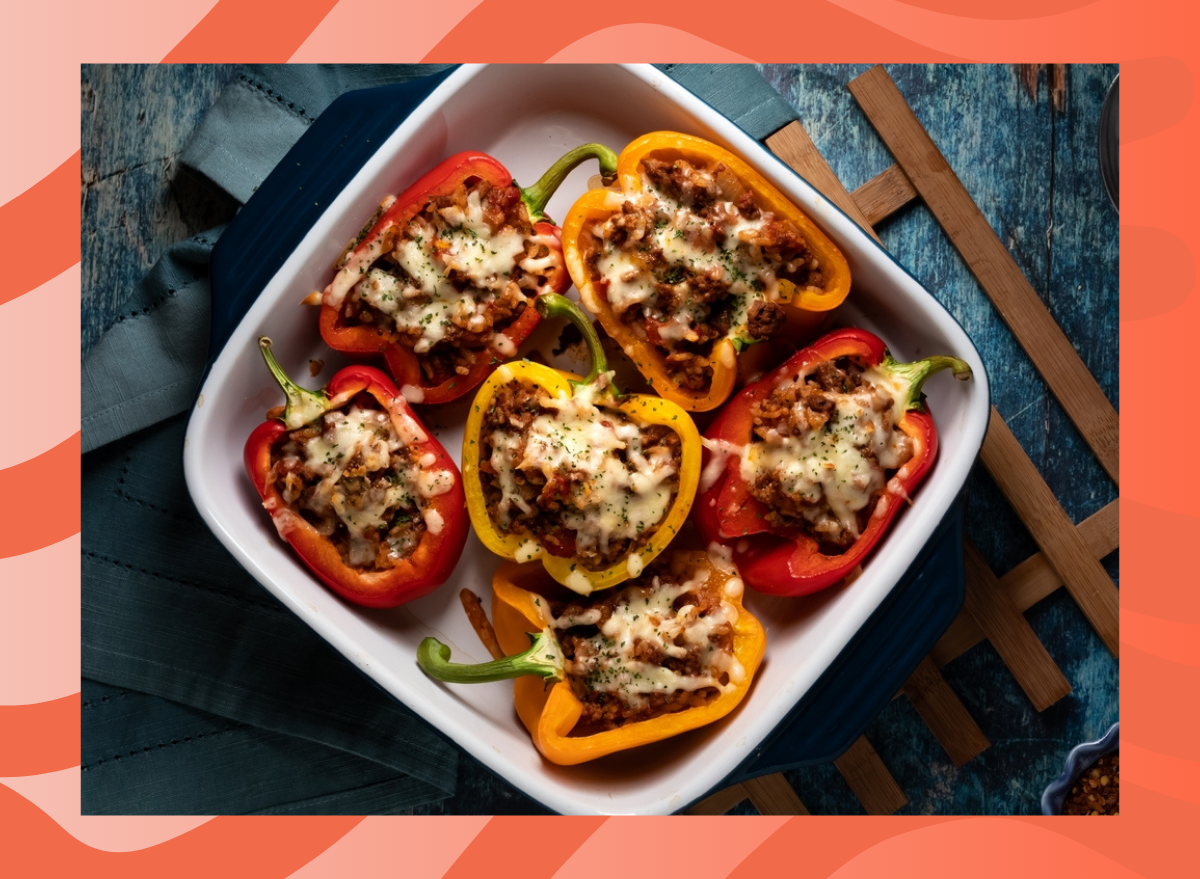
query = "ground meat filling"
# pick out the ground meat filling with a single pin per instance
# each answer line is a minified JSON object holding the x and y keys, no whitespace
{"x":447,"y":283}
{"x":824,"y":446}
{"x":350,"y":477}
{"x":660,"y":645}
{"x":582,"y":480}
{"x":693,"y":259}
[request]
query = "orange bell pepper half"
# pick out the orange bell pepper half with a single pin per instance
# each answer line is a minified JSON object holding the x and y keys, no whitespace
{"x":803,"y":306}
{"x":546,"y":700}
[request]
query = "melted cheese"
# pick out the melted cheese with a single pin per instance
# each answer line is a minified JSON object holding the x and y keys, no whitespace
{"x":359,"y":431}
{"x":434,"y":521}
{"x":539,"y":265}
{"x":680,"y":326}
{"x":528,"y":551}
{"x":647,"y":615}
{"x":487,"y":258}
{"x":721,"y":557}
{"x":689,"y":241}
{"x":355,"y":267}
{"x":577,"y":581}
{"x":634,"y":565}
{"x":720,"y":451}
{"x":503,"y":345}
{"x":614,"y":503}
{"x":374,"y":443}
{"x":842,"y":464}
{"x":424,"y":303}
{"x":409,"y":431}
{"x":628,"y":282}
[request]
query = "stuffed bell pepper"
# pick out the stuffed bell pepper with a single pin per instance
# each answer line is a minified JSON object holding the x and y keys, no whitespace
{"x":592,"y":482}
{"x":669,"y":652}
{"x":366,"y":497}
{"x":806,"y":468}
{"x":695,"y":257}
{"x":441,"y":278}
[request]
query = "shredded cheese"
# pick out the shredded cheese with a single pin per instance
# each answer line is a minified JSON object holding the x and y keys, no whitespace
{"x":720,"y":452}
{"x":366,"y":479}
{"x":614,"y":502}
{"x":841,"y":465}
{"x":429,"y":295}
{"x":645,"y":615}
{"x":720,"y":246}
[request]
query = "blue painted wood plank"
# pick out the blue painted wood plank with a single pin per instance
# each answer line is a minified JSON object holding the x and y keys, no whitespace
{"x":134,"y":201}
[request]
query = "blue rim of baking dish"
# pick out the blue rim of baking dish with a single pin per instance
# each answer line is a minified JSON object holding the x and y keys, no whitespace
{"x":868,"y":671}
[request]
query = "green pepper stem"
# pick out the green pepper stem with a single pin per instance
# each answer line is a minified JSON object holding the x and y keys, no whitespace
{"x":557,"y":305}
{"x":919,"y":370}
{"x":303,"y":406}
{"x":536,"y":196}
{"x":543,"y":658}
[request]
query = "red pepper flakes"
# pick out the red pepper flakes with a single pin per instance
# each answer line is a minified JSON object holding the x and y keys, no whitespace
{"x":1096,"y":791}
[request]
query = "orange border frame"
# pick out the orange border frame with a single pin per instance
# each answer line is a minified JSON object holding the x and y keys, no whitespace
{"x":1160,"y":622}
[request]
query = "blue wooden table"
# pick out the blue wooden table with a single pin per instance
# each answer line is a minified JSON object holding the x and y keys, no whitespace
{"x":1034,"y":174}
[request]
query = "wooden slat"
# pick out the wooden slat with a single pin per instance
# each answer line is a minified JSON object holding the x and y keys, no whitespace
{"x":793,"y":145}
{"x":870,"y":779}
{"x":884,"y":194}
{"x":720,"y":802}
{"x":1035,"y":578}
{"x":991,"y":263}
{"x":772,"y":795}
{"x":944,"y":713}
{"x":1030,"y":582}
{"x":1052,"y":530}
{"x":1007,"y":630}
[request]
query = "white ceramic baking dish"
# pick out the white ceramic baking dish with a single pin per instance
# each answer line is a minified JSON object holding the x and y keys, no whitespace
{"x":527,"y":116}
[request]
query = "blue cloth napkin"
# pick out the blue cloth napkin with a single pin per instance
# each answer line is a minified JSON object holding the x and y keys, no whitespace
{"x":202,"y":693}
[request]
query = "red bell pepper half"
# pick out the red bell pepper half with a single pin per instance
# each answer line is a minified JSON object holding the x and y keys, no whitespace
{"x":405,"y":365}
{"x":438,"y":483}
{"x":786,"y":560}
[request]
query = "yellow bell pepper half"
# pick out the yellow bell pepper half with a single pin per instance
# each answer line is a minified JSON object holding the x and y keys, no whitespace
{"x":643,"y":410}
